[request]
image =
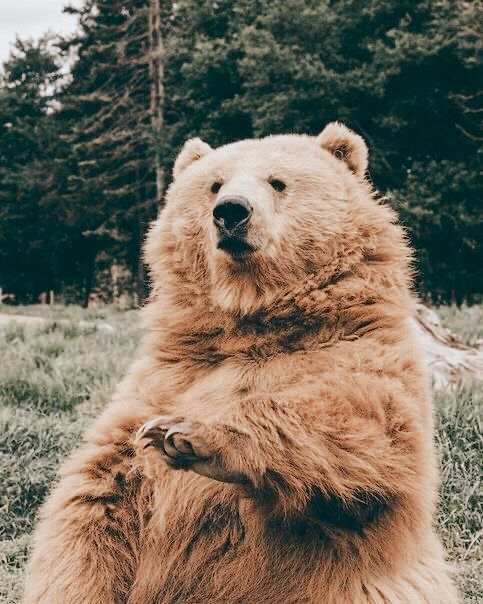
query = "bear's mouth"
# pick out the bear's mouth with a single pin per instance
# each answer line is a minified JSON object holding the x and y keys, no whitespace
{"x":235,"y":246}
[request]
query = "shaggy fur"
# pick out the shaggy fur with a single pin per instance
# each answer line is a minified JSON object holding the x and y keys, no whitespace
{"x":293,"y":460}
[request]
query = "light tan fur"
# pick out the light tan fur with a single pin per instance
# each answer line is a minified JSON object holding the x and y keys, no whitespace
{"x":294,"y":461}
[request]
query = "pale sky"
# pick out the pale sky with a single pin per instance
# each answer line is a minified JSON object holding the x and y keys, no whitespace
{"x":32,"y":18}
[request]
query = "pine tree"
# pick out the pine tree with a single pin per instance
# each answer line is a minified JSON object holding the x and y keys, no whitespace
{"x":27,"y":144}
{"x":114,"y":105}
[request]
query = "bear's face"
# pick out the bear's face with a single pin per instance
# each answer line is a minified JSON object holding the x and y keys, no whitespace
{"x":253,"y":215}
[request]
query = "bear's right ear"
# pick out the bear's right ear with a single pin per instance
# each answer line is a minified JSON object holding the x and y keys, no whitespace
{"x":192,"y":150}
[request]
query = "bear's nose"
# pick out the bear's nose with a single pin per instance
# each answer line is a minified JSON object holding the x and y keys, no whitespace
{"x":231,"y":213}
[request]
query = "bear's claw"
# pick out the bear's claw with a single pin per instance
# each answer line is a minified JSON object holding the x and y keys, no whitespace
{"x":178,"y":441}
{"x":162,"y":423}
{"x":185,"y":445}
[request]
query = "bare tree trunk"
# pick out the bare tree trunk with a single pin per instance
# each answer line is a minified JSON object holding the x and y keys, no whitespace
{"x":156,"y":73}
{"x":450,"y":360}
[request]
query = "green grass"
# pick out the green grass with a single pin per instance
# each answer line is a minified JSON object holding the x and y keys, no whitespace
{"x":53,"y":380}
{"x":459,"y":438}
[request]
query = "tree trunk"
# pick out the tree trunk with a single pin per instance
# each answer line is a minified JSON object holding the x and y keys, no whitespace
{"x":450,"y":360}
{"x":156,"y":73}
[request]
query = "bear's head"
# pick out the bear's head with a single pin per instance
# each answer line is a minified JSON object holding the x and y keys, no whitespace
{"x":250,"y":218}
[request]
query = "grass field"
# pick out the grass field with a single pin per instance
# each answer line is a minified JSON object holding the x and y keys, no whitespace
{"x":54,"y":379}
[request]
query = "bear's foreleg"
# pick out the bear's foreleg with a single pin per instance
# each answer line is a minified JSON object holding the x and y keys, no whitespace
{"x":307,"y":454}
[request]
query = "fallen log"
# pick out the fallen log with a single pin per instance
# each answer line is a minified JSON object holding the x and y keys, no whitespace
{"x":450,"y":360}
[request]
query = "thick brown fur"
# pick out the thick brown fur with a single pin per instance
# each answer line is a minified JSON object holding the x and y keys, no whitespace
{"x":294,"y":461}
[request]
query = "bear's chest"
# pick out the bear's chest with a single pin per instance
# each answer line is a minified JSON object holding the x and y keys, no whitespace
{"x":215,"y":392}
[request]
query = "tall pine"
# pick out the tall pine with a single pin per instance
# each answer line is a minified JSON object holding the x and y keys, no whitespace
{"x":114,"y":106}
{"x":30,"y":229}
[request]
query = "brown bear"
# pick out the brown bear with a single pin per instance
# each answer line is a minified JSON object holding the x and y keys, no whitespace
{"x":273,"y":443}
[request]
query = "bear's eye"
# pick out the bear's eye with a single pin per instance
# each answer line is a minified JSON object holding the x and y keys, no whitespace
{"x":340,"y":153}
{"x":278,"y":185}
{"x":215,"y":187}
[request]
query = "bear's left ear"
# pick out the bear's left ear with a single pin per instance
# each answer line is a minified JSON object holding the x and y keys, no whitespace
{"x":346,"y":146}
{"x":192,"y":150}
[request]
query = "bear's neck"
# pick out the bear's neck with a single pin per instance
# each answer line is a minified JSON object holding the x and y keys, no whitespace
{"x":346,"y":299}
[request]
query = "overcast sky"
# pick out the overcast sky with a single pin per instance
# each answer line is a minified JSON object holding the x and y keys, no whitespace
{"x":32,"y":18}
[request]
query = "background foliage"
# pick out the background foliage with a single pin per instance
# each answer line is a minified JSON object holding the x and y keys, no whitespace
{"x":78,"y":145}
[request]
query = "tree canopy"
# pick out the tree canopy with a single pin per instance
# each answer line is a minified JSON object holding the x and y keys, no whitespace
{"x":83,"y":157}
